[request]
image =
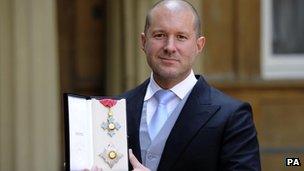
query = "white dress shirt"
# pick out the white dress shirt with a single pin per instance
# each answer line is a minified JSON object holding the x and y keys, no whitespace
{"x":180,"y":90}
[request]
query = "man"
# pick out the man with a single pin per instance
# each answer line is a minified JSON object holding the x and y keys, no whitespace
{"x":197,"y":127}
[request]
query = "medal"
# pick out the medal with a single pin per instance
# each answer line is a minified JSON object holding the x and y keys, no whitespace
{"x":110,"y":126}
{"x":110,"y":155}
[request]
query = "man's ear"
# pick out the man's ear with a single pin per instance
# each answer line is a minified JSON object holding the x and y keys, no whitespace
{"x":143,"y":41}
{"x":200,"y":42}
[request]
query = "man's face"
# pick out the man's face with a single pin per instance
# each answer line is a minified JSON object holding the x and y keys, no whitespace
{"x":171,"y":44}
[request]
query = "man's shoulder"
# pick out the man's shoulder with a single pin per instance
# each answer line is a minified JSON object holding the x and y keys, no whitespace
{"x":221,"y":98}
{"x":228,"y":104}
{"x":216,"y":96}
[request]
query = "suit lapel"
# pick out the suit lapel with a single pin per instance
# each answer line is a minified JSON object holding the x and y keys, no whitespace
{"x":194,"y":115}
{"x":134,"y":109}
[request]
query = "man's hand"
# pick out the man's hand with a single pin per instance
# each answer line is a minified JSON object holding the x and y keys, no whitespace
{"x":137,"y":166}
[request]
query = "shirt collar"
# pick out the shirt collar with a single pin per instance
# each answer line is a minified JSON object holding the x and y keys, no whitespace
{"x":180,"y":89}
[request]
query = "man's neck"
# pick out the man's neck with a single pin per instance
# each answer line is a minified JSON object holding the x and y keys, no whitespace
{"x":168,"y":83}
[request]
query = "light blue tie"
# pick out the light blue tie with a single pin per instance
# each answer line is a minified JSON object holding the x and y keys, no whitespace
{"x":160,"y":116}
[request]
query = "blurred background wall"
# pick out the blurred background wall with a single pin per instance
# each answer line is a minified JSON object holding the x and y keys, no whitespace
{"x":30,"y":135}
{"x":48,"y":47}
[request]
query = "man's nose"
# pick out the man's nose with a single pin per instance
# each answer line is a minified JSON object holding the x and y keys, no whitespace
{"x":170,"y":46}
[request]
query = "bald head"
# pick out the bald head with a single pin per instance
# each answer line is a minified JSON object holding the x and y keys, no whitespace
{"x":176,"y":6}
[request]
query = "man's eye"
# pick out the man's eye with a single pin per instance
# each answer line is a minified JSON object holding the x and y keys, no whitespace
{"x":181,"y":37}
{"x":159,"y":36}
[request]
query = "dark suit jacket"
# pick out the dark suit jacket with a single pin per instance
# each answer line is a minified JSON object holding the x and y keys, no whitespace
{"x":212,"y":132}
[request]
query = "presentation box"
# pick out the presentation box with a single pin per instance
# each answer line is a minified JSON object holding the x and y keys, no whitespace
{"x":95,"y":133}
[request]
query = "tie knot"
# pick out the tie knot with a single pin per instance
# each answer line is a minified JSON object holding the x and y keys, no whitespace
{"x":163,"y":96}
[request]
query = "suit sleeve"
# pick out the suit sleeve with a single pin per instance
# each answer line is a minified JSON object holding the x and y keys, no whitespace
{"x":240,"y":148}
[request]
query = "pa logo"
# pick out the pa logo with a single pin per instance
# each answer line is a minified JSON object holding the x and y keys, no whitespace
{"x":292,"y":161}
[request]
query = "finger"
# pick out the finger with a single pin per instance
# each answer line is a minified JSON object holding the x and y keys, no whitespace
{"x":95,"y":168}
{"x":133,"y":160}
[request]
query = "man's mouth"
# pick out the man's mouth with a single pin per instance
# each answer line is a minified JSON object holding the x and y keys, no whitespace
{"x":168,"y":59}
